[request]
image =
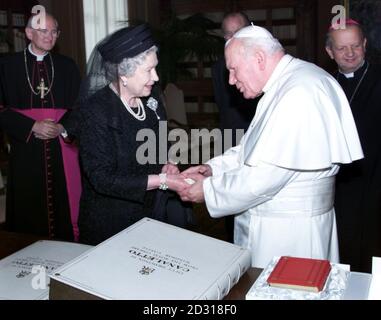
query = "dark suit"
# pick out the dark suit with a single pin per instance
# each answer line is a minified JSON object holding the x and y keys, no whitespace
{"x":358,"y":185}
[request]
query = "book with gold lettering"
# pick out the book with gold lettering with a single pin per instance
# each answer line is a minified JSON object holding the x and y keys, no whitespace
{"x":153,"y":260}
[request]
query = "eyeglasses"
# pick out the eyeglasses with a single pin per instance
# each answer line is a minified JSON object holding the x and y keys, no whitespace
{"x":46,"y":32}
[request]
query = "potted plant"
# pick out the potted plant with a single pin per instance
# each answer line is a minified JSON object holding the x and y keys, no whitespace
{"x":183,"y":40}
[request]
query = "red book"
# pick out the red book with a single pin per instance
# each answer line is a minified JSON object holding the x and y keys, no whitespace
{"x":300,"y":274}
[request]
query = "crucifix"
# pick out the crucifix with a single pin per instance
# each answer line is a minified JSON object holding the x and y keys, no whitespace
{"x":41,"y":88}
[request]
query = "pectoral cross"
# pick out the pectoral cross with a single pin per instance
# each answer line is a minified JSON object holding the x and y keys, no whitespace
{"x":41,"y":88}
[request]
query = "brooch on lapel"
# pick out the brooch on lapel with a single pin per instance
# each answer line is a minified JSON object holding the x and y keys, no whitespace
{"x":153,"y":104}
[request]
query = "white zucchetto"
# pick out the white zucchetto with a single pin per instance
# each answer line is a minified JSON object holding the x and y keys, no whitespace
{"x":253,"y":32}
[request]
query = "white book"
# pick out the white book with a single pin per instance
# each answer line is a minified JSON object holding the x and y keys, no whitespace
{"x":24,"y":274}
{"x":153,"y":260}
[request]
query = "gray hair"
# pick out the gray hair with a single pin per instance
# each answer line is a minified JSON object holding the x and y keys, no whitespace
{"x":128,"y":66}
{"x":268,"y":45}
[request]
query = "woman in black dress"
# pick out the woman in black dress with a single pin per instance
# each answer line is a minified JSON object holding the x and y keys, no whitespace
{"x":118,"y":112}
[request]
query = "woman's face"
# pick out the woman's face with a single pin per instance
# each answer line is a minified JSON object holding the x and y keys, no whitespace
{"x":141,"y":82}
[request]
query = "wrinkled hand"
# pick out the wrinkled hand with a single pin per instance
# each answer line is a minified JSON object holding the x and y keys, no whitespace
{"x":170,"y":168}
{"x":204,"y":170}
{"x":46,"y":129}
{"x":194,"y":193}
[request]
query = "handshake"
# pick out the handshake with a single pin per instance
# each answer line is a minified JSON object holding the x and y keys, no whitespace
{"x":187,"y":184}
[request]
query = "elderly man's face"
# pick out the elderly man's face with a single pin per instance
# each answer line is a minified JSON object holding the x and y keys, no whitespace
{"x":142,"y":81}
{"x":348,"y":48}
{"x":43,"y":40}
{"x":244,"y":70}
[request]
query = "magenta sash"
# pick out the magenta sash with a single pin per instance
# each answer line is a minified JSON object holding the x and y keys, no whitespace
{"x":70,"y":162}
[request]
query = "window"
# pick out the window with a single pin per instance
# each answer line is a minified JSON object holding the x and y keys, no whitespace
{"x":101,"y":18}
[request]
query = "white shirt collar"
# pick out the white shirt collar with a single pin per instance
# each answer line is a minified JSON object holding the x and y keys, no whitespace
{"x":39,"y":57}
{"x":282,"y":64}
{"x":349,"y":75}
{"x":352,"y":74}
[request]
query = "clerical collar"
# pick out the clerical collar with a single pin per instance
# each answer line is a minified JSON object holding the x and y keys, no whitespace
{"x":352,"y":74}
{"x":39,"y":57}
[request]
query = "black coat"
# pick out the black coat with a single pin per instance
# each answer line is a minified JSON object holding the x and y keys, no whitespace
{"x":37,"y":200}
{"x":114,"y":183}
{"x":358,"y":185}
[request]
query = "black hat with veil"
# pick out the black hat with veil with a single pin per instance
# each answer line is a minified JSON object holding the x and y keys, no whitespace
{"x":102,"y":68}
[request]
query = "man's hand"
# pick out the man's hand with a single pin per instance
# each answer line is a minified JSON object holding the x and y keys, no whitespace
{"x":195,"y":193}
{"x":204,"y":170}
{"x":47,"y":129}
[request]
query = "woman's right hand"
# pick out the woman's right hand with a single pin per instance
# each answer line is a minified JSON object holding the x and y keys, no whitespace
{"x":177,"y":183}
{"x":170,"y":168}
{"x":174,"y":182}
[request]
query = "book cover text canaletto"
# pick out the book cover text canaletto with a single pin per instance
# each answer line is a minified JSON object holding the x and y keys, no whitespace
{"x":156,"y":259}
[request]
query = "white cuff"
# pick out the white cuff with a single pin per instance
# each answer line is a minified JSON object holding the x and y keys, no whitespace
{"x":64,"y":134}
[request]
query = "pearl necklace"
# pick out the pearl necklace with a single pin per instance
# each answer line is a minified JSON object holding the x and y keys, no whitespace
{"x":358,"y":84}
{"x":29,"y":82}
{"x":141,"y":112}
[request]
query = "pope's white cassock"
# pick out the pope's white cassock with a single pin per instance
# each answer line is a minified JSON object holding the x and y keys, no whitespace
{"x":280,"y":180}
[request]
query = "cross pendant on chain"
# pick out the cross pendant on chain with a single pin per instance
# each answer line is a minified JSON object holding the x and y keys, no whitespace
{"x":41,"y":88}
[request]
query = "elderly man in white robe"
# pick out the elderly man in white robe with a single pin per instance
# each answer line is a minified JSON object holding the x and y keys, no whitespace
{"x":279,"y":181}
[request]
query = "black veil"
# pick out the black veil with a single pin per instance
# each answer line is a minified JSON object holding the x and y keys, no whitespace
{"x":102,"y":67}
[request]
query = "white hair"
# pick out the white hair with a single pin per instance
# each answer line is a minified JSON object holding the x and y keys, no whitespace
{"x":270,"y":46}
{"x":128,"y":65}
{"x":254,"y":37}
